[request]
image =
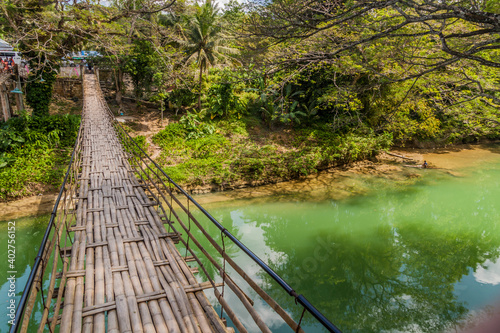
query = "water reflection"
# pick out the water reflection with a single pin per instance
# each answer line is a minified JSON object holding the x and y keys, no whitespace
{"x":29,"y":234}
{"x":403,"y":257}
{"x":488,"y":273}
{"x":389,"y":261}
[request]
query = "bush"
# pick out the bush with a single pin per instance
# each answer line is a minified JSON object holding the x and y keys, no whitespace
{"x":31,"y":154}
{"x":182,"y":97}
{"x":49,"y":130}
{"x":39,"y":94}
{"x":141,"y":142}
{"x":227,"y":154}
{"x":223,"y":102}
{"x":171,"y":136}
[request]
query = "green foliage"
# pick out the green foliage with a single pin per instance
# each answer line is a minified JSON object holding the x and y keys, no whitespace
{"x":210,"y":146}
{"x":222,"y":102}
{"x":203,"y":156}
{"x":141,"y":142}
{"x":283,"y":105}
{"x":34,"y":151}
{"x":182,"y":97}
{"x":269,"y":109}
{"x":171,"y":136}
{"x":232,"y":127}
{"x":39,"y":94}
{"x":195,"y":127}
{"x":336,"y":107}
{"x":227,"y":155}
{"x":140,"y":64}
{"x":10,"y":140}
{"x":48,"y":131}
{"x":205,"y":43}
{"x":200,"y":172}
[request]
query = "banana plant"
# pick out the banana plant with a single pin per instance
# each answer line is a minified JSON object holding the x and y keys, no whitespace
{"x":310,"y":110}
{"x":269,"y":110}
{"x":293,"y":114}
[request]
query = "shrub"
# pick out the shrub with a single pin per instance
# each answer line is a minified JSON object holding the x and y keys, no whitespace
{"x":172,"y":135}
{"x":28,"y":154}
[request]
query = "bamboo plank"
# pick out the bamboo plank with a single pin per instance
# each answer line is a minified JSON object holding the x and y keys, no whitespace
{"x":124,"y":273}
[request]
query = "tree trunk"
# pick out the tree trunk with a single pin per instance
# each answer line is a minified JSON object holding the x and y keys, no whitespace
{"x":5,"y":102}
{"x":118,"y":79}
{"x":19,"y":97}
{"x":162,"y":107}
{"x":199,"y":93}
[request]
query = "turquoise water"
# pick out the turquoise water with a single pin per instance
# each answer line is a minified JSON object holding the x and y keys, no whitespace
{"x":402,"y":258}
{"x":416,"y":256}
{"x":28,"y":236}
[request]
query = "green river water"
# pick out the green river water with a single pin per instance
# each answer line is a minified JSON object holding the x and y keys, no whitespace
{"x":414,"y":256}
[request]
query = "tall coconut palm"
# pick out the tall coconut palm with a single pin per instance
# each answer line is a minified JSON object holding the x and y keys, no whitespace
{"x":205,"y":42}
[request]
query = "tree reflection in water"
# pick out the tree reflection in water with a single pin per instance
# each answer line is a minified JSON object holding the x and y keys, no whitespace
{"x":388,"y":261}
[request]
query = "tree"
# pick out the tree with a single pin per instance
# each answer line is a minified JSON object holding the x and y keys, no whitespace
{"x":140,"y":65}
{"x":204,"y":41}
{"x":38,"y":92}
{"x":371,"y":21}
{"x":434,"y":56}
{"x":46,"y":31}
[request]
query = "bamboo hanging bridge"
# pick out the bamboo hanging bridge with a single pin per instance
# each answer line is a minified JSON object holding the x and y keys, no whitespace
{"x":110,"y":259}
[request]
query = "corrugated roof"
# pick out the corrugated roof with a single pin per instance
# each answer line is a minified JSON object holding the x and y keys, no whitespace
{"x":5,"y":46}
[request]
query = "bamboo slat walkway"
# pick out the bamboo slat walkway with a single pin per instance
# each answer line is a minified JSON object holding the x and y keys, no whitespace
{"x":121,"y":270}
{"x":125,"y":273}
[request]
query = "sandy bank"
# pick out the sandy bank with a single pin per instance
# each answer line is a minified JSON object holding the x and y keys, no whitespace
{"x":336,"y":183}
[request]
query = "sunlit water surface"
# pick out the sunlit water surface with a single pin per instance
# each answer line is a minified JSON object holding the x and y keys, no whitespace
{"x":28,"y":236}
{"x":419,"y":256}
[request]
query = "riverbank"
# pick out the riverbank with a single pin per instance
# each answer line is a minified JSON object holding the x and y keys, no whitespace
{"x":30,"y":206}
{"x":335,"y":183}
{"x":215,"y":155}
{"x":402,"y":170}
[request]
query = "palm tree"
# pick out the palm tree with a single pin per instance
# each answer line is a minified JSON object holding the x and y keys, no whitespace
{"x":204,"y":41}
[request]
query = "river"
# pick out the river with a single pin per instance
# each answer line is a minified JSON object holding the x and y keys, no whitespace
{"x":418,"y":253}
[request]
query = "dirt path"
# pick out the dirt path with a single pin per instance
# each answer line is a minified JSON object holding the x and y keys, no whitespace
{"x":146,"y":123}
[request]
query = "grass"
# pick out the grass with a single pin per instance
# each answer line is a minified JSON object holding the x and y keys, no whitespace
{"x":237,"y":152}
{"x":34,"y":171}
{"x":34,"y":153}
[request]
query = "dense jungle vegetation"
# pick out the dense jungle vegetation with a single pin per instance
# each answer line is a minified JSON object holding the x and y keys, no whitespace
{"x":268,"y":89}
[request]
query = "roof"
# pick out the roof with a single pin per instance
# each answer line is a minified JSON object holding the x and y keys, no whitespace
{"x":83,"y":55}
{"x":4,"y":46}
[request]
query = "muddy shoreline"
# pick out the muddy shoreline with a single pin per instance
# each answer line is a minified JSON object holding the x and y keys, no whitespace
{"x":318,"y":186}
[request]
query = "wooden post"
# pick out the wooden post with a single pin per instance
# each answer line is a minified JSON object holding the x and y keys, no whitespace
{"x":5,"y":102}
{"x":162,"y":103}
{"x":19,"y":97}
{"x":19,"y":102}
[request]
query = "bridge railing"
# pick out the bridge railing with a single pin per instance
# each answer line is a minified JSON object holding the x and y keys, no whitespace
{"x":46,"y":280}
{"x":174,"y":204}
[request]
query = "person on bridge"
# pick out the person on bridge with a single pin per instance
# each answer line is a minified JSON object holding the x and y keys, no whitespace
{"x":5,"y":66}
{"x":11,"y":64}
